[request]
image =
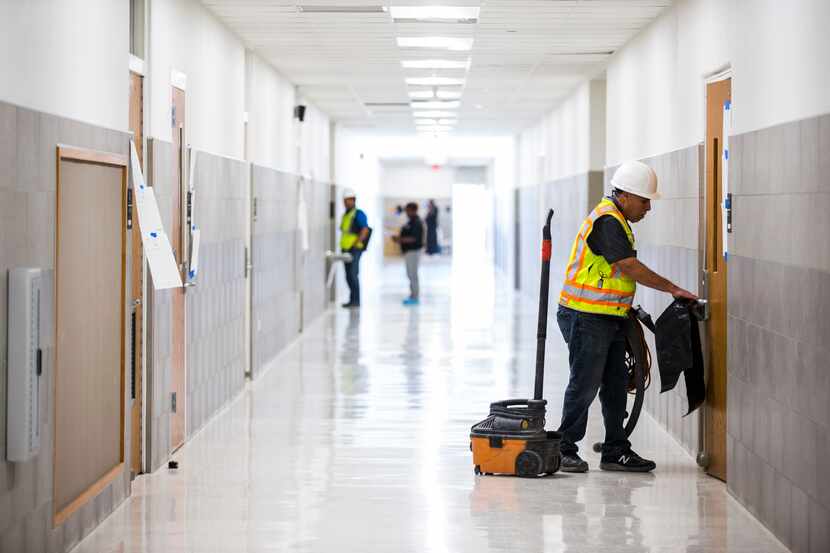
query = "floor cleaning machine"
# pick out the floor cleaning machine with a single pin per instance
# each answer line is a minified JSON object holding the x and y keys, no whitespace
{"x":512,"y":440}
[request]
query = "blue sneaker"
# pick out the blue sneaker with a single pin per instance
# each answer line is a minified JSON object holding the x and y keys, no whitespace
{"x":411,"y":301}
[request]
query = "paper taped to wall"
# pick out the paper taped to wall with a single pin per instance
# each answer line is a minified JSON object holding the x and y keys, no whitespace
{"x":195,"y":238}
{"x":157,"y":247}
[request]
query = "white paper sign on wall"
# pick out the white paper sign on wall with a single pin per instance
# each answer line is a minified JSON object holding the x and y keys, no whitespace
{"x":157,"y":247}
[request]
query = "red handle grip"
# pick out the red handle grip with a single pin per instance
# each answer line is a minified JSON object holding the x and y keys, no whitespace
{"x":546,"y":250}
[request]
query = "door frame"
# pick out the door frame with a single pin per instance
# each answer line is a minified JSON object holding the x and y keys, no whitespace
{"x":86,"y":155}
{"x":178,"y":81}
{"x":720,"y":74}
{"x":138,"y":304}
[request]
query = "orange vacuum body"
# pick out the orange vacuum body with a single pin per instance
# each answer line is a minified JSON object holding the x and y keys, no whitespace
{"x":513,"y":440}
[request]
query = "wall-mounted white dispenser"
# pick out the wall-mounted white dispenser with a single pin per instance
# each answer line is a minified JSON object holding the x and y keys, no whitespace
{"x":27,"y":290}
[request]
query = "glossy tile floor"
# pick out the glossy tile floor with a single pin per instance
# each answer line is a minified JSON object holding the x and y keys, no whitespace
{"x":357,"y":441}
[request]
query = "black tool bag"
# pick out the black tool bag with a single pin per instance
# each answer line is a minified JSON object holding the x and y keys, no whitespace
{"x":677,"y":338}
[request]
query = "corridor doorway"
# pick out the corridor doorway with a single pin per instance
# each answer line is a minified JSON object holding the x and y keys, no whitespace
{"x":718,"y":94}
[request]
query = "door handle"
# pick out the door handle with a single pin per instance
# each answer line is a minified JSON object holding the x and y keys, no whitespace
{"x":701,"y":309}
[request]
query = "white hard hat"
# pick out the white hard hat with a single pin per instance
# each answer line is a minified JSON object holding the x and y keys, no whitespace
{"x":637,"y":178}
{"x":349,"y":193}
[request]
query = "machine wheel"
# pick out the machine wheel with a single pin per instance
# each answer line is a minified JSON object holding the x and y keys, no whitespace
{"x":556,"y":463}
{"x":598,"y":447}
{"x":529,"y":464}
{"x":477,"y":469}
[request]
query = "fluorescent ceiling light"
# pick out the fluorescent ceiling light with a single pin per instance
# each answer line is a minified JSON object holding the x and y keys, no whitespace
{"x":421,"y":94}
{"x":435,"y":128}
{"x":436,"y":64}
{"x":434,"y":81}
{"x":433,"y":113}
{"x":435,"y":13}
{"x":426,"y":121}
{"x":454,"y":104}
{"x":439,"y":42}
{"x":448,"y":121}
{"x":341,"y":9}
{"x":449,"y":94}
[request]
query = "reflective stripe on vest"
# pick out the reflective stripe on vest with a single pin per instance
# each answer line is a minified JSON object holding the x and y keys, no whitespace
{"x":593,"y":285}
{"x":347,"y":237}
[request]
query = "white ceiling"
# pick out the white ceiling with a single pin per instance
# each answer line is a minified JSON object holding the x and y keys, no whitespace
{"x":526,"y":57}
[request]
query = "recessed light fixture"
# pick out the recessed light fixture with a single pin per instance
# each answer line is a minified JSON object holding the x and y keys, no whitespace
{"x":434,"y":113}
{"x":436,"y":64}
{"x":436,"y":128}
{"x":421,"y":94}
{"x":448,"y":94}
{"x":434,"y":81}
{"x":479,"y":106}
{"x":439,"y":42}
{"x":341,"y":9}
{"x":452,"y":104}
{"x":442,"y":14}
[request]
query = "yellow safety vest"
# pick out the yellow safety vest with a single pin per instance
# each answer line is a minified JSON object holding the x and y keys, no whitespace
{"x":593,"y":285}
{"x":347,"y":237}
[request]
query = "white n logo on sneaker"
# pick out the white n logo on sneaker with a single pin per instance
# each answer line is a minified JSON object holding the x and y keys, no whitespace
{"x":624,"y":459}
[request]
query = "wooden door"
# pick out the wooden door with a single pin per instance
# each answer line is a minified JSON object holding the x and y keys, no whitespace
{"x":177,"y":368}
{"x":90,"y":320}
{"x":717,"y":94}
{"x":137,"y":288}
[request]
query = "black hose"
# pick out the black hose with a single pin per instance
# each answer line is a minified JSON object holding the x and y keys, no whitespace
{"x":638,"y":360}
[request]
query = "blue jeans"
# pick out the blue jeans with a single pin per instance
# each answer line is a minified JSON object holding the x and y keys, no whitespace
{"x":596,"y":344}
{"x":352,"y":271}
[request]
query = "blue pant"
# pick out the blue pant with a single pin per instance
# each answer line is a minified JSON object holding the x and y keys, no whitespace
{"x":596,"y":344}
{"x":352,"y":279}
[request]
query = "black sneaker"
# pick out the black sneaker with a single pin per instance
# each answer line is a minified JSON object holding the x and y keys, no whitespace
{"x":571,"y":462}
{"x":627,"y":461}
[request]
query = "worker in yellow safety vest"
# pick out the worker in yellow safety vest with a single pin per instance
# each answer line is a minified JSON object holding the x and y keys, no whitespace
{"x":354,"y":232}
{"x":598,"y":291}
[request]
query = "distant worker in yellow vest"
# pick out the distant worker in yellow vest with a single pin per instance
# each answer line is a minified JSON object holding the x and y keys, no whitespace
{"x":354,"y":232}
{"x":600,"y":281}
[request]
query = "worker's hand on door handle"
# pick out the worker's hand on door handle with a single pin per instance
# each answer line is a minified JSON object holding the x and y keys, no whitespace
{"x":679,"y":292}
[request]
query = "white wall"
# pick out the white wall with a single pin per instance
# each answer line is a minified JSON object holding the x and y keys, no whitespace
{"x":184,"y":36}
{"x":315,"y":140}
{"x":569,"y":140}
{"x":598,"y":91}
{"x":357,"y":166}
{"x":67,"y":57}
{"x":777,"y":51}
{"x":416,"y":180}
{"x":270,"y":106}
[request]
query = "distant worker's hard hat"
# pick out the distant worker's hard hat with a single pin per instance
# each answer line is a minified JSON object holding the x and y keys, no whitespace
{"x":637,"y":178}
{"x":349,"y":193}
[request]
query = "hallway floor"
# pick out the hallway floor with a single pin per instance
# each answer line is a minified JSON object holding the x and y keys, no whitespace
{"x":357,"y":440}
